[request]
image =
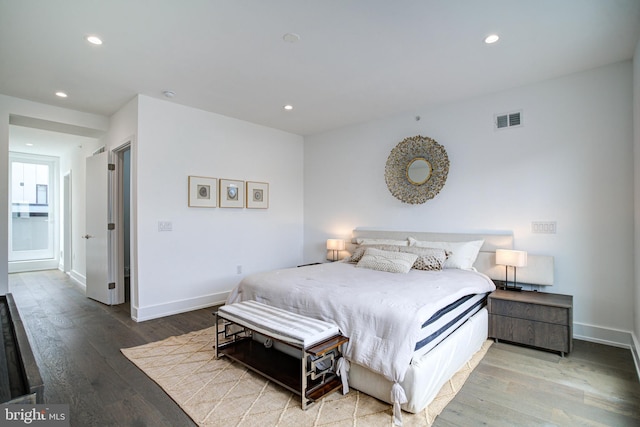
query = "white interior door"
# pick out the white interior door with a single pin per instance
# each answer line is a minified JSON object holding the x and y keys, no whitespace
{"x":97,"y":233}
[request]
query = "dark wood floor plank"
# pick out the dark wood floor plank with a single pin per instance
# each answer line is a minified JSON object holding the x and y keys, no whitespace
{"x":136,"y":411}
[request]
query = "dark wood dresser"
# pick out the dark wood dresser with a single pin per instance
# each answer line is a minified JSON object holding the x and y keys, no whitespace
{"x":538,"y":319}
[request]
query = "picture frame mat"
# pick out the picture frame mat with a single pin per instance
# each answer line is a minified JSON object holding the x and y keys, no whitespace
{"x":227,"y":198}
{"x":257,"y":195}
{"x":202,"y":192}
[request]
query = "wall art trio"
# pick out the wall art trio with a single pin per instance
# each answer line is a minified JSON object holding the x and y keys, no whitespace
{"x":205,"y":192}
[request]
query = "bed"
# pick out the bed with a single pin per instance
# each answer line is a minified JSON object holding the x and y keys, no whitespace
{"x":410,"y":331}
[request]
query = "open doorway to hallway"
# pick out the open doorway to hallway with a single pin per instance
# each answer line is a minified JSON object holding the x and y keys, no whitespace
{"x":47,"y":199}
{"x":65,"y":193}
{"x":33,"y":200}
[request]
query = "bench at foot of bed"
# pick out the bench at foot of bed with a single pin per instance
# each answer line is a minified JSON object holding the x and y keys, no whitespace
{"x":297,"y":352}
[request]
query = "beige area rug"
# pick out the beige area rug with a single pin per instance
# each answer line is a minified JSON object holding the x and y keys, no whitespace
{"x":223,"y":393}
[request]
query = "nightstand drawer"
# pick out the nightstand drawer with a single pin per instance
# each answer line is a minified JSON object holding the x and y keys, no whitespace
{"x":528,"y":311}
{"x":537,"y":334}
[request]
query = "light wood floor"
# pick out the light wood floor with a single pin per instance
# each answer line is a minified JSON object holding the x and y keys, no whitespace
{"x":77,"y":342}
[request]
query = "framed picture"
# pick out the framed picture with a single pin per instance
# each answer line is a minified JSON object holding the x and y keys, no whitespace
{"x":257,"y":195}
{"x":231,"y":193}
{"x":203,"y":192}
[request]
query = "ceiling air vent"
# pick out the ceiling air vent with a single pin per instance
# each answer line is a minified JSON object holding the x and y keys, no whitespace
{"x":508,"y":120}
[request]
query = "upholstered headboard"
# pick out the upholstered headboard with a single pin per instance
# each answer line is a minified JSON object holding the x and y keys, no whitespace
{"x":539,"y":268}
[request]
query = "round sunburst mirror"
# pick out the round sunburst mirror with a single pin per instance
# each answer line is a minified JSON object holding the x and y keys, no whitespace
{"x":416,"y":169}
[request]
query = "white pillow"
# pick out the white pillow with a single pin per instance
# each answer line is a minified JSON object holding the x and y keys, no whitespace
{"x":364,"y":241}
{"x":462,"y":255}
{"x":358,"y":252}
{"x":392,"y":262}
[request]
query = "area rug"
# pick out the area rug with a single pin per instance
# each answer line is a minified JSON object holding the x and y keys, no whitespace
{"x":223,"y":393}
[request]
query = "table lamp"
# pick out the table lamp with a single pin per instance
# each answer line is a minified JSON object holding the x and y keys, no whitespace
{"x":511,"y":258}
{"x":335,"y":246}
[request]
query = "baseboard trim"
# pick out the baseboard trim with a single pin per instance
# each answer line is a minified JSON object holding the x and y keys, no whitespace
{"x":37,"y":265}
{"x":80,"y":279}
{"x":635,"y":352}
{"x":140,"y":314}
{"x":598,"y":334}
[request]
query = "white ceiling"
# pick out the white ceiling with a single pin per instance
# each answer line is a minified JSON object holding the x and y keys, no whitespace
{"x":357,"y":60}
{"x":37,"y":141}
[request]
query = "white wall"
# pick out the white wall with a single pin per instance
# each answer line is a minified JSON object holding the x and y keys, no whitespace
{"x":196,"y":263}
{"x":8,"y":106}
{"x":571,"y":163}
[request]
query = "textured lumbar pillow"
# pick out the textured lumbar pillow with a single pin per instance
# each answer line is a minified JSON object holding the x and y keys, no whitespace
{"x":428,"y":258}
{"x":359,"y":251}
{"x":392,"y":262}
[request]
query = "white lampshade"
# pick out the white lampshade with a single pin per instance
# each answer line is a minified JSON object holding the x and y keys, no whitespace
{"x":335,"y":244}
{"x":511,"y":258}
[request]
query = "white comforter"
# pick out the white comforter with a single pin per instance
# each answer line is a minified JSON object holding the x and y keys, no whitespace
{"x":380,"y":312}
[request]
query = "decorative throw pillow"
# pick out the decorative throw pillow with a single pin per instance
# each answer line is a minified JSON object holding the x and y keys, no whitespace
{"x":392,"y":262}
{"x":358,"y":252}
{"x":462,"y":254}
{"x":428,"y":258}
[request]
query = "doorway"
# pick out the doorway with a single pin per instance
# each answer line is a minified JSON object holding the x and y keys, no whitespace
{"x":33,"y":234}
{"x":122,"y":210}
{"x":63,"y":194}
{"x":107,"y":232}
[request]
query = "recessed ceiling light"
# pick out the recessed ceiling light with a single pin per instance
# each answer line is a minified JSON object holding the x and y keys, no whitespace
{"x":288,"y":107}
{"x":491,"y":38}
{"x":291,"y":38}
{"x":94,"y":40}
{"x":61,"y":94}
{"x":28,"y":144}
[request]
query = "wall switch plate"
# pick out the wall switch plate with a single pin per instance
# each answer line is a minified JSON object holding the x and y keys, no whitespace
{"x":165,"y":226}
{"x":544,"y":227}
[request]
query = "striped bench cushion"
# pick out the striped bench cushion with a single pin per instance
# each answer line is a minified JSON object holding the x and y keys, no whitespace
{"x":279,"y":324}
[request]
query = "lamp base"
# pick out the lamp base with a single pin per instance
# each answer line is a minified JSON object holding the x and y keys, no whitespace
{"x":502,"y":285}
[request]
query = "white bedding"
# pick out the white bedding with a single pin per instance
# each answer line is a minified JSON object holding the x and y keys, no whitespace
{"x":380,"y":312}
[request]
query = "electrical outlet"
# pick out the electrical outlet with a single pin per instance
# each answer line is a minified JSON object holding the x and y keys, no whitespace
{"x":238,"y":269}
{"x":544,"y":227}
{"x":165,"y":226}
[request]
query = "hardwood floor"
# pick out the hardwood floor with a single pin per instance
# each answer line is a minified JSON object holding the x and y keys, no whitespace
{"x":77,"y":342}
{"x":595,"y":385}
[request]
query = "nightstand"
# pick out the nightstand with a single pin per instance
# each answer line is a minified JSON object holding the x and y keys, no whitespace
{"x":538,"y":319}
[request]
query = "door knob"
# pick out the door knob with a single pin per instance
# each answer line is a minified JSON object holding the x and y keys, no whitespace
{"x":87,"y":236}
